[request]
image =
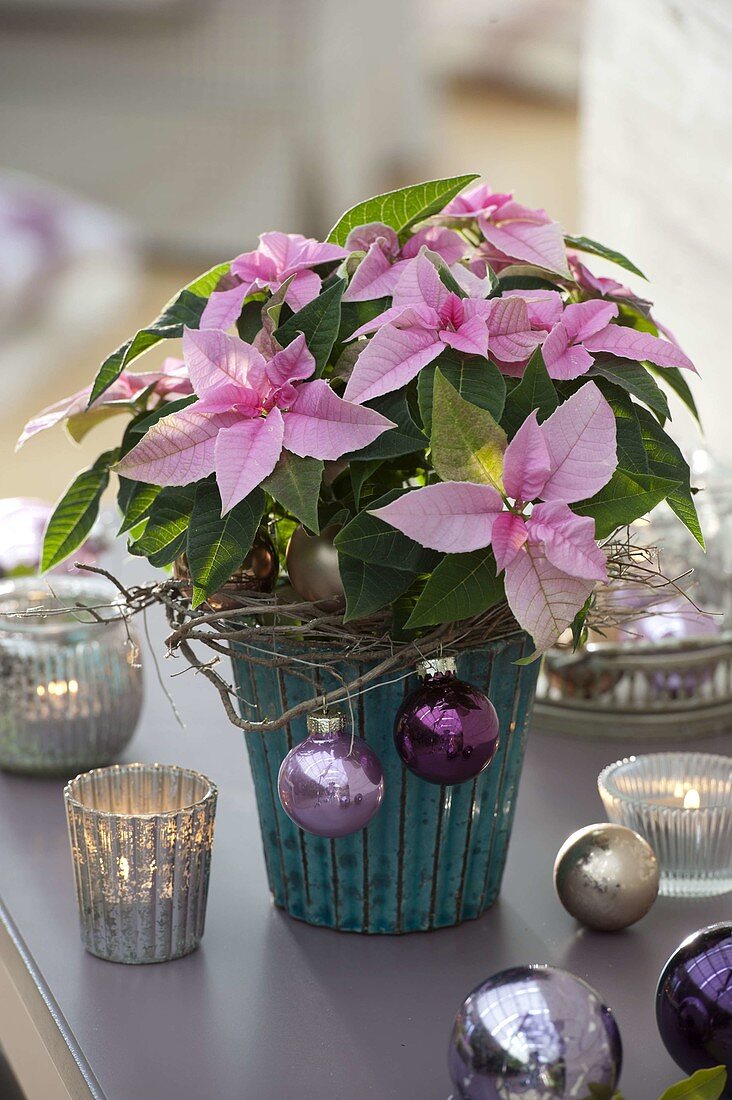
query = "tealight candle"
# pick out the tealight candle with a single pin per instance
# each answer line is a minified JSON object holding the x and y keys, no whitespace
{"x":681,"y":802}
{"x":141,"y":837}
{"x":71,"y":684}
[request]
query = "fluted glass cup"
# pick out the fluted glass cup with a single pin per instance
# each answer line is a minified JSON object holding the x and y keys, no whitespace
{"x":141,"y":837}
{"x":681,"y":802}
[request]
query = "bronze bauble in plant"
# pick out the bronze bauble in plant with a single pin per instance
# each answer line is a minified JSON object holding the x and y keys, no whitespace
{"x":312,"y":565}
{"x":257,"y":573}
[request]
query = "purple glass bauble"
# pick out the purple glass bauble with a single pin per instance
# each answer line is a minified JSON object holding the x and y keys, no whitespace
{"x":534,"y":1033}
{"x":331,"y":784}
{"x":446,"y":731}
{"x":694,"y":1001}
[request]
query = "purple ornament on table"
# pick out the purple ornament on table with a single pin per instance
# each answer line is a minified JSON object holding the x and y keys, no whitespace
{"x":694,"y":1001}
{"x":446,"y":731}
{"x":331,"y":784}
{"x":534,"y":1033}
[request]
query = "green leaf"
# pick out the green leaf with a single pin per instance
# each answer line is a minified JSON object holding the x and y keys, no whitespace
{"x":447,"y":278}
{"x":166,"y":555}
{"x":705,"y":1084}
{"x":635,"y":379}
{"x":169,"y":518}
{"x":462,"y":585}
{"x":626,"y":497}
{"x":400,"y":209}
{"x":666,"y":460}
{"x":477,"y":380}
{"x":467,"y":443}
{"x":140,"y":426}
{"x":319,"y":320}
{"x":359,"y":473}
{"x":249,"y":321}
{"x":584,"y":244}
{"x":81,"y":423}
{"x":506,"y":283}
{"x":135,"y":499}
{"x":369,"y":586}
{"x":295,"y":484}
{"x":631,"y":449}
{"x":534,"y":391}
{"x":404,"y":439}
{"x":74,"y":515}
{"x":676,"y":381}
{"x":353,"y":316}
{"x":371,"y":539}
{"x":183,"y":310}
{"x":216,"y":544}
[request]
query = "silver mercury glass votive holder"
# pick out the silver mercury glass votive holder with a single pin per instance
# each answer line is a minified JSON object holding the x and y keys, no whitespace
{"x":71,"y":685}
{"x":141,"y":837}
{"x":681,"y":802}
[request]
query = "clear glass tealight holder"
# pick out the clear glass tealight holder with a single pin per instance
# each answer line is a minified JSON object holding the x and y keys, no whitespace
{"x":681,"y":802}
{"x":71,"y":682}
{"x":141,"y":837}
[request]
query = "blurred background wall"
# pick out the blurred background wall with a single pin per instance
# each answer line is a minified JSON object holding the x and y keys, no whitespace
{"x":656,"y":172}
{"x":141,"y":140}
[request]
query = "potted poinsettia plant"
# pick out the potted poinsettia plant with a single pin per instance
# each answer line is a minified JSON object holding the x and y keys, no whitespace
{"x":438,"y":418}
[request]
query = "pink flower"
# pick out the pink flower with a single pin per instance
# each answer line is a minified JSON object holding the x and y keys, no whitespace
{"x":278,"y":257}
{"x":585,"y":328}
{"x":381,"y":268}
{"x":424,"y":319}
{"x":249,"y":409}
{"x":512,"y":233}
{"x":595,"y":284}
{"x":549,"y":554}
{"x":172,"y":379}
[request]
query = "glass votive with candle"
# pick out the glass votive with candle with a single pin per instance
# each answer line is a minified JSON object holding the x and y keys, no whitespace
{"x":681,"y":802}
{"x":70,"y":679}
{"x":141,"y":837}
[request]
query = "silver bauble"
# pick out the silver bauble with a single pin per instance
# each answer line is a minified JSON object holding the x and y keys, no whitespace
{"x":312,"y":565}
{"x":606,"y":876}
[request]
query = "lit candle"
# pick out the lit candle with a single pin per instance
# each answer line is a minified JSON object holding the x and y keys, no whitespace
{"x":692,"y":800}
{"x":141,"y":837}
{"x":681,"y":802}
{"x":72,"y":685}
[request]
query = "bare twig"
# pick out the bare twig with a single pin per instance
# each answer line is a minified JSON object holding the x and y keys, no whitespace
{"x":312,"y":644}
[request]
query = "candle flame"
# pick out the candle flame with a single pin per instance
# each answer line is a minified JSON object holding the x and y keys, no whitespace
{"x":692,"y":801}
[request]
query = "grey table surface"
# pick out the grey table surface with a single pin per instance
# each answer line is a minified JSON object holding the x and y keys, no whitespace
{"x":272,"y":1009}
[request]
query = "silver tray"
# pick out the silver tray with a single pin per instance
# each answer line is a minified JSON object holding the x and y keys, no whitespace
{"x":671,"y":690}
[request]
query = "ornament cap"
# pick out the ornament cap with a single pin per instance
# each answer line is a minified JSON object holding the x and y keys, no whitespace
{"x":437,"y":666}
{"x":326,"y":723}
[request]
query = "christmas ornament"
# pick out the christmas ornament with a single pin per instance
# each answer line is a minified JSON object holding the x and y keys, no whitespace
{"x":606,"y":876}
{"x":23,"y":522}
{"x":257,"y":573}
{"x":694,"y":1001}
{"x":331,"y":784}
{"x":534,"y":1032}
{"x":312,"y":565}
{"x":446,"y":731}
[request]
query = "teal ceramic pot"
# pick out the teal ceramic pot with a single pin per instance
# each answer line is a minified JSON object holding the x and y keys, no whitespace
{"x":433,"y":856}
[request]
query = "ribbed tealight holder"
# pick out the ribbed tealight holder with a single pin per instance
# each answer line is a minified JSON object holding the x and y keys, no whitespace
{"x":70,"y":680}
{"x":681,"y":802}
{"x":141,"y":837}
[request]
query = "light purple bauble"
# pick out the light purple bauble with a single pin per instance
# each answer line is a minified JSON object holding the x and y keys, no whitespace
{"x":534,"y":1033}
{"x":328,"y":788}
